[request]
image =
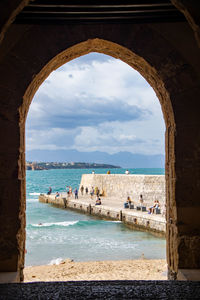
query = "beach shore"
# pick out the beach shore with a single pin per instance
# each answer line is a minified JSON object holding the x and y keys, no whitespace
{"x":67,"y":270}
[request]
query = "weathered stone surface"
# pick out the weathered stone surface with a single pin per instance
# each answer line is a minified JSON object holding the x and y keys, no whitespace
{"x":191,"y":10}
{"x":9,"y":10}
{"x":102,"y":290}
{"x":152,"y":187}
{"x":112,"y":209}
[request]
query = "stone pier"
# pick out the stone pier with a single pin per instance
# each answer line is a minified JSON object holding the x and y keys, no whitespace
{"x":114,"y":189}
{"x":119,"y":186}
{"x":109,"y":210}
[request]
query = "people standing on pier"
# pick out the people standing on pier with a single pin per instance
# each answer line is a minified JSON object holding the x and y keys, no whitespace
{"x":92,"y":192}
{"x":76,"y":193}
{"x":70,"y":191}
{"x":86,"y":190}
{"x":67,"y":190}
{"x":82,"y":189}
{"x":95,"y":190}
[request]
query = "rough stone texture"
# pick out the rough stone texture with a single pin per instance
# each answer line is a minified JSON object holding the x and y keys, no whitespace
{"x":167,"y":55}
{"x":191,"y":10}
{"x":152,"y":187}
{"x":8,"y":14}
{"x":102,"y":290}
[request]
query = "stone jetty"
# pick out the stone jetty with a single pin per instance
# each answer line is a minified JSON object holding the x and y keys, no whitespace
{"x":115,"y":189}
{"x":120,"y":186}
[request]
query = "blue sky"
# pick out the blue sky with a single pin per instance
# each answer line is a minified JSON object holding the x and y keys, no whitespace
{"x":96,"y":102}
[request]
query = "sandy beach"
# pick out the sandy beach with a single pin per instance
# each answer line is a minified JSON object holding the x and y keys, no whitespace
{"x":142,"y":269}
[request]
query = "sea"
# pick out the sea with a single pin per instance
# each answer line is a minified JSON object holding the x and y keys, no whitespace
{"x":66,"y":234}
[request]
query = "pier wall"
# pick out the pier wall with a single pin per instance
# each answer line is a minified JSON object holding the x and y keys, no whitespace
{"x":139,"y":220}
{"x":152,"y":187}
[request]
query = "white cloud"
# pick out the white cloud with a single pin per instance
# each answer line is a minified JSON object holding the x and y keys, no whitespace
{"x":114,"y":137}
{"x":71,"y":109}
{"x":51,"y":139}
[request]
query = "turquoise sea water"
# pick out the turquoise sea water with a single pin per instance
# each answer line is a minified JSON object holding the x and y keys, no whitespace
{"x":67,"y":234}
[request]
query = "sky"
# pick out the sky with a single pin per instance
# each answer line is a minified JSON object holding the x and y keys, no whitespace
{"x":96,"y":103}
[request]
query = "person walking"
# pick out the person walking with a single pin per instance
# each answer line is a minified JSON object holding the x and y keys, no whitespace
{"x":76,"y":193}
{"x":92,"y":192}
{"x":86,"y":190}
{"x":67,"y":190}
{"x":82,"y":189}
{"x":70,"y":191}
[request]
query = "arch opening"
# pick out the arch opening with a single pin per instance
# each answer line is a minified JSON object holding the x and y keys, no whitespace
{"x":91,"y":51}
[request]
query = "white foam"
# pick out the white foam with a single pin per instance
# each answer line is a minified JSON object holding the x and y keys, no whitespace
{"x":66,"y":223}
{"x":114,"y":221}
{"x":32,"y":200}
{"x":56,"y":261}
{"x":34,"y":194}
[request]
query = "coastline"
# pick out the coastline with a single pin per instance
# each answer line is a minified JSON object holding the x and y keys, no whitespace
{"x":68,"y":270}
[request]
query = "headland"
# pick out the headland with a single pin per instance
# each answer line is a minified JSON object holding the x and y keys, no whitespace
{"x":67,"y":165}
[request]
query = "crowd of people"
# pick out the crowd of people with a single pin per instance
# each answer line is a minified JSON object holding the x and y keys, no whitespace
{"x":84,"y":190}
{"x":95,"y":192}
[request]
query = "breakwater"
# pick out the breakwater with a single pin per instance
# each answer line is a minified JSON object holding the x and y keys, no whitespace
{"x":120,"y":186}
{"x":133,"y":218}
{"x":112,"y":207}
{"x":112,"y":203}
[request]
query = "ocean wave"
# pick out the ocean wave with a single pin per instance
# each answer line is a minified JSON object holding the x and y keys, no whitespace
{"x":114,"y":221}
{"x":32,"y":200}
{"x":34,"y":194}
{"x":65,"y":223}
{"x":56,"y":261}
{"x":79,"y":223}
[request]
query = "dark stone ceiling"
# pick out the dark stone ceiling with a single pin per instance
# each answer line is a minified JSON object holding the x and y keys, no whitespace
{"x":99,"y":11}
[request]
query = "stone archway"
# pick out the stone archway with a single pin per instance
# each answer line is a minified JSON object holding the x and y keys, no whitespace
{"x":137,"y":63}
{"x":35,"y":51}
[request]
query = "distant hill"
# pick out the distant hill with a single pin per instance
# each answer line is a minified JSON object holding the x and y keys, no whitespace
{"x":123,"y":159}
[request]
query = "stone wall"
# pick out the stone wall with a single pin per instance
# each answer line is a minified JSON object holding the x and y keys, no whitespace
{"x":132,"y":218}
{"x":152,"y":187}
